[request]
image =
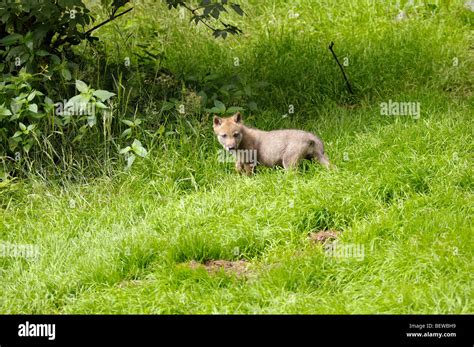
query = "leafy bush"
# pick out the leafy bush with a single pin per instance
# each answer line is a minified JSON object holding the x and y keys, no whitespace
{"x":26,"y":113}
{"x":39,"y":35}
{"x":21,"y":104}
{"x":37,"y":40}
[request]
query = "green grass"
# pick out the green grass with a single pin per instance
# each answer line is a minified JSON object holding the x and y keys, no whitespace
{"x":403,"y":188}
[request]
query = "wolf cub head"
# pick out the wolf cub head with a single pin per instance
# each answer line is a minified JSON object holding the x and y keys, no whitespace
{"x":229,"y":131}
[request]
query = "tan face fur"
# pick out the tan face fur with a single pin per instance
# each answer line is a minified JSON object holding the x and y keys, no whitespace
{"x":229,"y":131}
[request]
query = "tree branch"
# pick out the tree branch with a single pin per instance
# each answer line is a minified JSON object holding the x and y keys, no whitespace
{"x":194,"y":11}
{"x":340,"y":66}
{"x":111,"y":18}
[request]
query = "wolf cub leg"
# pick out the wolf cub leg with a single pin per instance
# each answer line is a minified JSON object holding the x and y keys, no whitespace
{"x":323,"y":160}
{"x":249,"y":169}
{"x":244,"y":168}
{"x":291,"y":161}
{"x":239,"y":167}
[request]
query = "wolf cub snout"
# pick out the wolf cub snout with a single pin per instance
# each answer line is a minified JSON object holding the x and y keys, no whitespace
{"x":269,"y":148}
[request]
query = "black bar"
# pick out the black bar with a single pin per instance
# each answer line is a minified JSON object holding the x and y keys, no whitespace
{"x":318,"y":330}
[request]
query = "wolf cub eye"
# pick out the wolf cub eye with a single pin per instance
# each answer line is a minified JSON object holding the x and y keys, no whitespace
{"x":236,"y":134}
{"x":224,"y":136}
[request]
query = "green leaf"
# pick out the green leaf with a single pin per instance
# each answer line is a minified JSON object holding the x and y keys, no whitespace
{"x":100,"y":105}
{"x":29,"y":44}
{"x":55,"y":59}
{"x":33,"y":94}
{"x":103,"y":95}
{"x":4,"y":111}
{"x":214,"y":110}
{"x":211,"y":77}
{"x":79,"y":99}
{"x":81,"y":86}
{"x":22,"y":126}
{"x":16,"y":106}
{"x":10,"y":39}
{"x":27,"y":147}
{"x":41,"y":53}
{"x":37,"y":115}
{"x":78,"y":138}
{"x":219,"y":105}
{"x":220,"y":33}
{"x":33,"y":108}
{"x":128,"y":122}
{"x":126,"y":132}
{"x":237,"y":9}
{"x":5,"y":16}
{"x":252,"y":105}
{"x":91,"y":120}
{"x":161,"y":130}
{"x":48,"y":104}
{"x":130,"y":160}
{"x":76,"y":105}
{"x":125,"y":150}
{"x":66,"y":74}
{"x":14,"y":117}
{"x":234,"y":109}
{"x":48,"y":101}
{"x":16,"y":52}
{"x":138,"y":148}
{"x":83,"y":129}
{"x":167,"y":106}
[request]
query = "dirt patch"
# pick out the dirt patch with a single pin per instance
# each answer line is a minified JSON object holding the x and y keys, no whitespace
{"x":129,"y":283}
{"x":323,"y":236}
{"x":237,"y":267}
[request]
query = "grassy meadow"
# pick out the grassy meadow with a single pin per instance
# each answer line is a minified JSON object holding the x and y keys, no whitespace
{"x":116,"y":240}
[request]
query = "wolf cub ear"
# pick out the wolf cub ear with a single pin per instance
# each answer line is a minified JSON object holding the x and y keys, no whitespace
{"x":217,"y":121}
{"x":237,"y":117}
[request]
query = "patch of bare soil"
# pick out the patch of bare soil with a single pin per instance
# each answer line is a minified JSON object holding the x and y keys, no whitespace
{"x":130,"y":283}
{"x":237,"y":267}
{"x":323,"y":236}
